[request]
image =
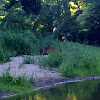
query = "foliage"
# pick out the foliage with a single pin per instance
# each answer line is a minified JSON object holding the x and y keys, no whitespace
{"x":19,"y":42}
{"x":65,"y":20}
{"x":93,"y":23}
{"x":16,"y":19}
{"x":15,"y":85}
{"x":73,"y":60}
{"x":54,"y":59}
{"x":28,"y":60}
{"x":6,"y":78}
{"x":79,"y":60}
{"x":5,"y":53}
{"x":74,"y":20}
{"x":29,"y":6}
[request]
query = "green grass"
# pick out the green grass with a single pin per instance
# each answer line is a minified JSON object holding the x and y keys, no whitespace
{"x":75,"y":60}
{"x":16,"y":88}
{"x":54,"y":59}
{"x":80,"y":60}
{"x":28,"y":60}
{"x":15,"y":85}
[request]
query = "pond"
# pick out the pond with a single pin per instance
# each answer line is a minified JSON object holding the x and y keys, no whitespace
{"x":84,"y":90}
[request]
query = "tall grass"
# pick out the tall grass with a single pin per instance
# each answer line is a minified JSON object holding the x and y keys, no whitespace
{"x":54,"y":59}
{"x":17,"y":85}
{"x":79,"y":60}
{"x":6,"y":78}
{"x":74,"y":59}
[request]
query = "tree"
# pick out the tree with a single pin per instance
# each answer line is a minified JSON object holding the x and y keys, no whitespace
{"x":29,"y":6}
{"x":16,"y":19}
{"x":93,"y":25}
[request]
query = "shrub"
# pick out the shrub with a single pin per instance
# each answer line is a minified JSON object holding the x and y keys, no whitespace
{"x":6,"y":78}
{"x":28,"y":60}
{"x":16,"y":19}
{"x":79,"y":60}
{"x":54,"y":59}
{"x":16,"y":42}
{"x":5,"y":53}
{"x":22,"y":42}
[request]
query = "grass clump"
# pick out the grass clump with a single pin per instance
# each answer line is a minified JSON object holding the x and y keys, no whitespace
{"x":28,"y":60}
{"x":54,"y":59}
{"x":79,"y":60}
{"x":14,"y":84}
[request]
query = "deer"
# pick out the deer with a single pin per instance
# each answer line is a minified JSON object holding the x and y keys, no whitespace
{"x":46,"y":50}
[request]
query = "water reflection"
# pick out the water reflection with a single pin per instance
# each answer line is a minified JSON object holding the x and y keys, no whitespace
{"x":87,"y":90}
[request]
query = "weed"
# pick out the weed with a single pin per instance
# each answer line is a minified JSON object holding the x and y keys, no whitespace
{"x":28,"y":60}
{"x":6,"y":78}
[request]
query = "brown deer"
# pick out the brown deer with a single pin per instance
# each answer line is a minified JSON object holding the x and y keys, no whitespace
{"x":46,"y":50}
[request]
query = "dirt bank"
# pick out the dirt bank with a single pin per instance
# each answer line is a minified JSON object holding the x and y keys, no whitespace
{"x":42,"y":77}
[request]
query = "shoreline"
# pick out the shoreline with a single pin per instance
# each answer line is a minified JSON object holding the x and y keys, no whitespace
{"x":68,"y":80}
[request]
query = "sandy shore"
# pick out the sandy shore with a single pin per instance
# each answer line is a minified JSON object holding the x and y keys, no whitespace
{"x":42,"y":77}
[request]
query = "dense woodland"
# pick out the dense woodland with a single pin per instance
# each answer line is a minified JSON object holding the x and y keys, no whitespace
{"x":69,"y":20}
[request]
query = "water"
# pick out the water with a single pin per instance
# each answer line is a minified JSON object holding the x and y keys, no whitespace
{"x":86,"y":90}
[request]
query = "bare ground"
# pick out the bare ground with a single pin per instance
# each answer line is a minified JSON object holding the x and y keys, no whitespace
{"x":42,"y":77}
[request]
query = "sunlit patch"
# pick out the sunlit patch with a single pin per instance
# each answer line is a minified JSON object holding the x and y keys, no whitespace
{"x":6,"y":1}
{"x":85,"y":30}
{"x":74,"y":8}
{"x":50,"y":2}
{"x":32,"y":23}
{"x":71,"y":96}
{"x":43,"y":0}
{"x":54,"y":29}
{"x":62,"y":6}
{"x":62,"y":13}
{"x":18,"y":9}
{"x":40,"y":27}
{"x":2,"y":17}
{"x":73,"y":4}
{"x":38,"y":97}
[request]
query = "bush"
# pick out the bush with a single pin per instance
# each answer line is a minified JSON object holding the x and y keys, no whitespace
{"x":16,"y":42}
{"x":21,"y":42}
{"x":6,"y":78}
{"x":54,"y":59}
{"x":79,"y":60}
{"x":28,"y":60}
{"x":5,"y":53}
{"x":16,"y":19}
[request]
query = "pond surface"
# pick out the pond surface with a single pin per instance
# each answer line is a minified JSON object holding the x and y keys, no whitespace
{"x":86,"y":90}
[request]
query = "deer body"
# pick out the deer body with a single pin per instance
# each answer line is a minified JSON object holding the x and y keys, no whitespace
{"x":46,"y":50}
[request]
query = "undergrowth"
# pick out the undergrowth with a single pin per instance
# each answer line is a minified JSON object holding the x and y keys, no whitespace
{"x":15,"y":84}
{"x":74,"y":59}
